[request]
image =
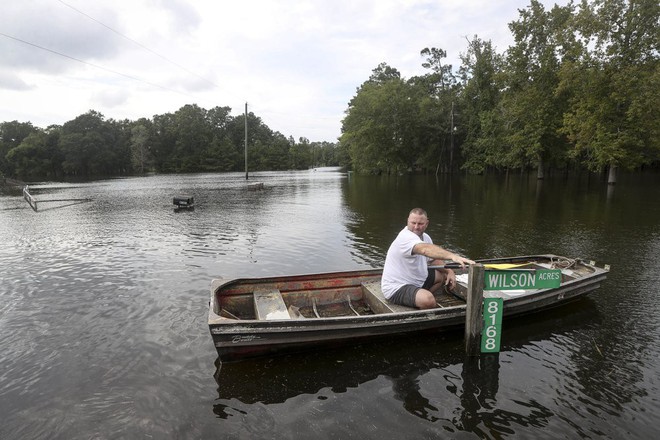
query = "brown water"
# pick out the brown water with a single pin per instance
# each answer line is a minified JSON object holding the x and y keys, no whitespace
{"x":103,"y":310}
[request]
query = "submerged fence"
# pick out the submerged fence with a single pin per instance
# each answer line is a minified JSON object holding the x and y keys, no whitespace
{"x":33,"y":202}
{"x":28,"y":198}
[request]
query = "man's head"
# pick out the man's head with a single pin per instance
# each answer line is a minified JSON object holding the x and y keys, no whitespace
{"x":417,"y":221}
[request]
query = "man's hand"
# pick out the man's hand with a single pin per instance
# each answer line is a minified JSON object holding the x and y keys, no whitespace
{"x":460,"y":260}
{"x":450,"y":279}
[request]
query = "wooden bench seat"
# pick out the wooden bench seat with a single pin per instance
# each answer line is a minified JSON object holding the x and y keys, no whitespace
{"x":374,"y":297}
{"x":269,"y":304}
{"x":377,"y":302}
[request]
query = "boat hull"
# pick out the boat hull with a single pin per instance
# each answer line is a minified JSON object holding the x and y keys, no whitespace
{"x":239,"y":338}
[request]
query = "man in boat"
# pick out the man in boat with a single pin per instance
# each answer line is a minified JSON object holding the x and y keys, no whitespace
{"x":407,"y":280}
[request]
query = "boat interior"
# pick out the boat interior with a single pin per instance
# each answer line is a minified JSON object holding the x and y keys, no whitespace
{"x":325,"y":299}
{"x":348,"y":295}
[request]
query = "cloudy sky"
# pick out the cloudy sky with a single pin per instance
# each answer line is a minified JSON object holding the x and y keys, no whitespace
{"x":296,"y":63}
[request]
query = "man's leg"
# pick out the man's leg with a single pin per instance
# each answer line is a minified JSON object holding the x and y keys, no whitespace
{"x":424,"y":299}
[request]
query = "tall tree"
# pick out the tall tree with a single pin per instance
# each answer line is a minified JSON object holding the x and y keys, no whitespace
{"x":37,"y":155}
{"x":613,"y":116}
{"x":480,"y":100}
{"x":11,"y":135}
{"x":438,"y":109}
{"x":300,"y":154}
{"x":533,"y":109}
{"x":193,"y":134}
{"x":442,"y":75}
{"x":85,"y":144}
{"x":140,"y":152}
{"x":381,"y":123}
{"x":164,"y":142}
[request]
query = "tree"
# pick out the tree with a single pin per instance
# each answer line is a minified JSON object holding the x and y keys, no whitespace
{"x":260,"y":136}
{"x":533,"y":109}
{"x":37,"y":155}
{"x":612,"y":118}
{"x":439,"y":90}
{"x":11,"y":135}
{"x":442,"y":74}
{"x":382,"y":74}
{"x":480,"y":100}
{"x":220,"y":155}
{"x":325,"y":154}
{"x":92,"y":146}
{"x":378,"y":125}
{"x":193,"y":134}
{"x":300,"y":154}
{"x":81,"y":143}
{"x":394,"y":125}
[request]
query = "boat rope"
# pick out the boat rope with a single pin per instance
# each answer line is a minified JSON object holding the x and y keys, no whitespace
{"x":562,"y":263}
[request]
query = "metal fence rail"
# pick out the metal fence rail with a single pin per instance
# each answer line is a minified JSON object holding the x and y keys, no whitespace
{"x":28,"y":198}
{"x":33,"y":202}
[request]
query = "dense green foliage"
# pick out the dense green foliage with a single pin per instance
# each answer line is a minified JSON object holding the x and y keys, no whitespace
{"x":190,"y":140}
{"x":578,"y":88}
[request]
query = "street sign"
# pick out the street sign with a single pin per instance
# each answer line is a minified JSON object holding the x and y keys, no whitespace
{"x":522,"y":279}
{"x":492,"y":330}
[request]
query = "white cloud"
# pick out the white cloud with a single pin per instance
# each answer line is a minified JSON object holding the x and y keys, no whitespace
{"x":10,"y":81}
{"x":297,"y":63}
{"x":110,"y":98}
{"x":44,"y":24}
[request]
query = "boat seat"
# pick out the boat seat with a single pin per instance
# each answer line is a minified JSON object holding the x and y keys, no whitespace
{"x":377,"y":302}
{"x":269,"y":304}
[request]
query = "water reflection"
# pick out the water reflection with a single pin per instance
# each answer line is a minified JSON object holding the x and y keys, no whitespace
{"x":417,"y":371}
{"x":480,"y":376}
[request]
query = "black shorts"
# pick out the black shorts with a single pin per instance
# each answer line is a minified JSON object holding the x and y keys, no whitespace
{"x":405,"y":296}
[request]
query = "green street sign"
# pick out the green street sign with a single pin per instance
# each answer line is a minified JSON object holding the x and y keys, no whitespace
{"x":492,"y":330}
{"x":522,"y":279}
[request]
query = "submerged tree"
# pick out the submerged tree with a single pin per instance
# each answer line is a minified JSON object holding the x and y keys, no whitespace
{"x":380,"y":127}
{"x":438,"y":115}
{"x":11,"y":135}
{"x":533,"y":109}
{"x":613,"y":115}
{"x":483,"y":121}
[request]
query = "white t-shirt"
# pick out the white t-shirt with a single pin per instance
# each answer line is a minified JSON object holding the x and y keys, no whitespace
{"x":401,"y":266}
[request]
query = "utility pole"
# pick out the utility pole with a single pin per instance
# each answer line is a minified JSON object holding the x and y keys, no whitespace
{"x":246,"y":166}
{"x":451,"y":147}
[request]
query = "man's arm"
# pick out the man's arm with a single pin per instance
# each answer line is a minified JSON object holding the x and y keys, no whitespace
{"x":438,"y":253}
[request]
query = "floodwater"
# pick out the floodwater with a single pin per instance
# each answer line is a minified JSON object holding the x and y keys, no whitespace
{"x":103,"y":308}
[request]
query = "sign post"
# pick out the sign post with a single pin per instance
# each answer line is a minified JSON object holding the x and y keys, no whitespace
{"x":473,"y":309}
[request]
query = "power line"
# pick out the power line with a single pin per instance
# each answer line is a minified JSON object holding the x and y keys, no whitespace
{"x":138,"y":43}
{"x":94,"y":65}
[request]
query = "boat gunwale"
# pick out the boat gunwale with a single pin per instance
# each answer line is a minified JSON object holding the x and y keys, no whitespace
{"x":218,"y":284}
{"x":239,"y":339}
{"x":511,"y":305}
{"x":260,"y":340}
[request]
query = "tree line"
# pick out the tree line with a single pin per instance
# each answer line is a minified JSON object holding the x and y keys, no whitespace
{"x":192,"y":139}
{"x":578,"y":89}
